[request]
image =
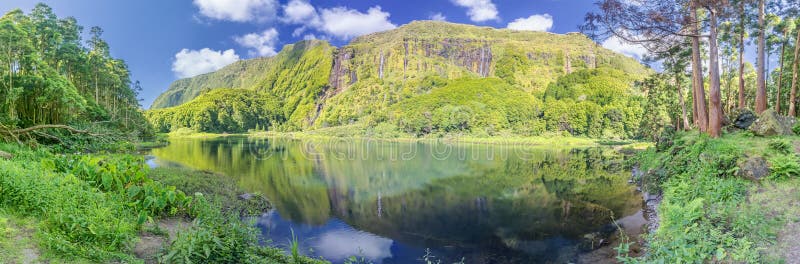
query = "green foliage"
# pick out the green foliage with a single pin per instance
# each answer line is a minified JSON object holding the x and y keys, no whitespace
{"x":781,"y":146}
{"x":705,"y":214}
{"x":221,"y":110}
{"x":216,"y":237}
{"x":127,"y":176}
{"x":215,"y":188}
{"x":50,"y":77}
{"x":77,"y":220}
{"x":375,"y":78}
{"x":784,"y":166}
{"x":466,"y":104}
{"x":598,"y":103}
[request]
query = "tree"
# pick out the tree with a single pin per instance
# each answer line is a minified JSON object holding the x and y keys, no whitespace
{"x":761,"y":92}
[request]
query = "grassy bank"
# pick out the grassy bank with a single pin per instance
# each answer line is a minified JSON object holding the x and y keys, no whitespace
{"x":95,"y":207}
{"x":549,"y":140}
{"x":730,"y":200}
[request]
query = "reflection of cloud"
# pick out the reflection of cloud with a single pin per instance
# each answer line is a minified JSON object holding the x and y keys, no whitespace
{"x":341,"y":244}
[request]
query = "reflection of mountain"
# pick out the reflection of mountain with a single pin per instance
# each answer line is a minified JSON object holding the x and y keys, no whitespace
{"x":522,"y":203}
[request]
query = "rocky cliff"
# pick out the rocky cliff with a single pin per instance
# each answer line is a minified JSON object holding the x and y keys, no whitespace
{"x":327,"y":86}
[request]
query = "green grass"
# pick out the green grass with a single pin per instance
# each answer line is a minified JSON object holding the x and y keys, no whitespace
{"x":90,"y":208}
{"x":709,"y":214}
{"x":217,"y":188}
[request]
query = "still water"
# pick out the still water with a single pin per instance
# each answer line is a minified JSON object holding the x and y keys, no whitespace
{"x":390,"y":202}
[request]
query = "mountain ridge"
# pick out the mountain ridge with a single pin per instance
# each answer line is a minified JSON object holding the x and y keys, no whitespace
{"x":322,"y":86}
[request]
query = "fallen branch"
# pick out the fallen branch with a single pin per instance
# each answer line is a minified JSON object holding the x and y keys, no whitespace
{"x":40,"y":127}
{"x":6,"y":155}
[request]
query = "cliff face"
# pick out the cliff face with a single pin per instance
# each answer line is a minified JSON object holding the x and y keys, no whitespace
{"x":324,"y":86}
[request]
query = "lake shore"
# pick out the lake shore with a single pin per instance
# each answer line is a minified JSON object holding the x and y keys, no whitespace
{"x":526,"y":141}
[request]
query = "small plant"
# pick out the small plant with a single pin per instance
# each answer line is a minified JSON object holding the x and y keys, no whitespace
{"x":295,"y":247}
{"x":796,"y":128}
{"x":784,"y":167}
{"x":781,"y":146}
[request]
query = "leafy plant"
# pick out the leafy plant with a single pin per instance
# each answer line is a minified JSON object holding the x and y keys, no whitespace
{"x":781,"y":146}
{"x":784,"y":167}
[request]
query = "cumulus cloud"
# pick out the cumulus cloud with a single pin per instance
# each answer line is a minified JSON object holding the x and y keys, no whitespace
{"x":300,"y":12}
{"x":346,"y":23}
{"x":261,"y":44}
{"x":479,"y":10}
{"x":533,"y":23}
{"x":238,"y":10}
{"x":438,"y":17}
{"x":632,"y":50}
{"x":339,"y":22}
{"x":190,"y":63}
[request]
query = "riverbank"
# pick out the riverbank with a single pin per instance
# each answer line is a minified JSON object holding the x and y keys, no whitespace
{"x":732,"y":199}
{"x":549,"y":141}
{"x":99,"y":208}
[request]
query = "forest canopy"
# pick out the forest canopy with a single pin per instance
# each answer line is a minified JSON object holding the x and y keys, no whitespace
{"x":49,"y":75}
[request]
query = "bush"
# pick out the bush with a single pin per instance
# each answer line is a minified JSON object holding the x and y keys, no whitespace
{"x":783,"y":167}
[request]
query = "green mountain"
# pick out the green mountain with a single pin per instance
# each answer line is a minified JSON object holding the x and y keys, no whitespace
{"x":367,"y":80}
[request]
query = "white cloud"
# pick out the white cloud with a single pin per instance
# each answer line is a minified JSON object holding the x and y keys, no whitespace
{"x":300,"y":12}
{"x":346,"y":23}
{"x":262,"y":44}
{"x":339,"y":22}
{"x":190,"y":63}
{"x":438,"y":17}
{"x":533,"y":23}
{"x":479,"y":10}
{"x":238,"y":10}
{"x":632,"y":50}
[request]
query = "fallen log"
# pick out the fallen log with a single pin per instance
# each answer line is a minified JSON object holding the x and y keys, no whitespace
{"x":6,"y":155}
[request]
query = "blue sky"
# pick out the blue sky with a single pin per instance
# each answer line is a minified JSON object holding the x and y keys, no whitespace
{"x":166,"y":40}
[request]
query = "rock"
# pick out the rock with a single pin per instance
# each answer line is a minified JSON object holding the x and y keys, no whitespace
{"x":246,"y":196}
{"x":743,"y":118}
{"x":6,"y":155}
{"x":753,"y":168}
{"x":771,"y":123}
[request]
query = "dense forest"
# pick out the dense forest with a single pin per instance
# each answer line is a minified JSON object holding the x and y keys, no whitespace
{"x":51,"y":76}
{"x":723,"y":186}
{"x":690,"y":36}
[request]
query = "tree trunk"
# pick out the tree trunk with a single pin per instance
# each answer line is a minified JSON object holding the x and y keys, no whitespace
{"x":761,"y":92}
{"x":681,"y":101}
{"x":697,"y":76}
{"x":742,"y":102}
{"x":715,"y":109}
{"x":793,"y":92}
{"x":780,"y":73}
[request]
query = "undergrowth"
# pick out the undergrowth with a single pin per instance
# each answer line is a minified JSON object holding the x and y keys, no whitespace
{"x":706,"y":214}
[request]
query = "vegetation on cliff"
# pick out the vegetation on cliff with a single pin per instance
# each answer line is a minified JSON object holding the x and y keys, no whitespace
{"x":391,"y":77}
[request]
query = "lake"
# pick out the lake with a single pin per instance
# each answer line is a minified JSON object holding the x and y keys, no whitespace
{"x":395,"y":202}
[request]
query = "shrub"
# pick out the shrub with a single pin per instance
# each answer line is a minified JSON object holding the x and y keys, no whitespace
{"x":784,"y":167}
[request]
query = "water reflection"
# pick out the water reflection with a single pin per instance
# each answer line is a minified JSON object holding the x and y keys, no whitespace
{"x":388,"y":202}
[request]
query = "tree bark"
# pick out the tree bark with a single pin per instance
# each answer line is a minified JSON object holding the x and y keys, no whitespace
{"x":715,"y":109}
{"x":697,"y":75}
{"x":793,"y":92}
{"x":780,"y":73}
{"x":681,"y":101}
{"x":742,"y":102}
{"x":761,"y":92}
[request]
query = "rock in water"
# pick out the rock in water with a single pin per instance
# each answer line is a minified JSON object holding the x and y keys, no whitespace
{"x":743,"y":118}
{"x":770,"y":123}
{"x":6,"y":155}
{"x":753,"y":168}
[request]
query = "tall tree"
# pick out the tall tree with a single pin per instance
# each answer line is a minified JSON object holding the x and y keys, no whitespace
{"x":657,"y":25}
{"x":761,"y":91}
{"x":793,"y":91}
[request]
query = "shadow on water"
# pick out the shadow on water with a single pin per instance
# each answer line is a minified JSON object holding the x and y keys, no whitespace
{"x":388,"y":202}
